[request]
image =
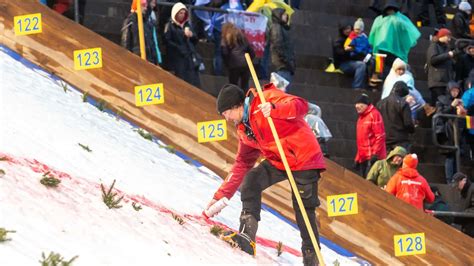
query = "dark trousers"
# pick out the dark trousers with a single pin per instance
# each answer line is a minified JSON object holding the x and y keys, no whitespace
{"x":435,"y":92}
{"x":424,"y":15}
{"x":241,"y":74}
{"x":388,"y":62}
{"x":265,"y":175}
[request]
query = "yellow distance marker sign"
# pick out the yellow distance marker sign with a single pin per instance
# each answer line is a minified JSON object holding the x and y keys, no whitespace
{"x":344,"y":204}
{"x":28,"y":24}
{"x":409,"y":244}
{"x":212,"y":130}
{"x":149,"y":94}
{"x":88,"y":58}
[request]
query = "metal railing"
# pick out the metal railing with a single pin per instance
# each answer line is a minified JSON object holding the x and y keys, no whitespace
{"x":454,"y":123}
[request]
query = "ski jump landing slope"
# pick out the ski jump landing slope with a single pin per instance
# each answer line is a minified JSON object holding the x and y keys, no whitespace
{"x":369,"y":233}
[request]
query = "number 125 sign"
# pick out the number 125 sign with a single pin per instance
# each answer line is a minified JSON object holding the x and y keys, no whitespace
{"x":212,"y":130}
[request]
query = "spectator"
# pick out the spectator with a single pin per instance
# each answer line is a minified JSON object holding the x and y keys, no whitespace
{"x":424,"y":15}
{"x":370,"y":135}
{"x":180,"y":41}
{"x":449,"y":103}
{"x":400,"y":72}
{"x":320,"y":130}
{"x":465,"y":64}
{"x":384,"y":169}
{"x":397,"y":117}
{"x":465,"y":187}
{"x":358,"y":45}
{"x":439,"y":60}
{"x":130,"y":36}
{"x":393,"y":34}
{"x":281,"y":45}
{"x":345,"y":62}
{"x":439,"y":205}
{"x":408,"y":185}
{"x":234,"y":45}
{"x":468,"y":103}
{"x":406,"y":6}
{"x":460,"y":24}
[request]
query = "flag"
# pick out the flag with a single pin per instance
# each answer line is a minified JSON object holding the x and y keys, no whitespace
{"x":379,"y":62}
{"x":470,"y":122}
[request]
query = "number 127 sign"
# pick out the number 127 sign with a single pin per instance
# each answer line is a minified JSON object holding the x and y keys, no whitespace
{"x":212,"y":130}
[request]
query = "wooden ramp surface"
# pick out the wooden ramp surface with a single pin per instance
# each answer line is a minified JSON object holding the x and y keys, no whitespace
{"x":368,"y":234}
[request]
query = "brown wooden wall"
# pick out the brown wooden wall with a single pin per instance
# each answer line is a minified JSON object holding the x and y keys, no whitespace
{"x":368,"y":234}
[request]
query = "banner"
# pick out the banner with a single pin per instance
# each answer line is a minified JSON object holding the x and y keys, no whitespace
{"x":253,"y":25}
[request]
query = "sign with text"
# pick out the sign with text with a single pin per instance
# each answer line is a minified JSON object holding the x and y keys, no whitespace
{"x":28,"y":24}
{"x":149,"y":94}
{"x":88,"y":58}
{"x":409,"y":244}
{"x":344,"y":204}
{"x":212,"y":130}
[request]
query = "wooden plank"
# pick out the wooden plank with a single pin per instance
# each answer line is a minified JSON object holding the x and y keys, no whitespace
{"x":368,"y":234}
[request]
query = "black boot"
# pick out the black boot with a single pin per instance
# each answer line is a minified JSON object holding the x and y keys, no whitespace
{"x":245,"y":240}
{"x":309,"y":258}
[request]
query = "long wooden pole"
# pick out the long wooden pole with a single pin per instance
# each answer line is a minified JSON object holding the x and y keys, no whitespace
{"x":141,"y":33}
{"x":285,"y":163}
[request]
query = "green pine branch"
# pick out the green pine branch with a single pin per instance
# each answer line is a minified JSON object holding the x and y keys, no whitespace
{"x":102,"y":105}
{"x":170,"y":149}
{"x":119,"y":113}
{"x":217,"y":230}
{"x":55,"y":259}
{"x":63,"y":85}
{"x":3,"y":158}
{"x":2,"y":172}
{"x":109,"y":197}
{"x":85,"y":147}
{"x":279,"y":248}
{"x":3,"y":234}
{"x":136,"y":206}
{"x":85,"y":96}
{"x":49,"y":180}
{"x":178,"y":218}
{"x":145,"y":134}
{"x":336,"y":263}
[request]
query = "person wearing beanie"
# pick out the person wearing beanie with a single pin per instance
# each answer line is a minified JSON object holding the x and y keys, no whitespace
{"x":397,"y":118}
{"x":302,"y":151}
{"x":460,"y":23}
{"x":370,"y":135}
{"x":440,"y":63}
{"x":465,"y":187}
{"x":408,"y":185}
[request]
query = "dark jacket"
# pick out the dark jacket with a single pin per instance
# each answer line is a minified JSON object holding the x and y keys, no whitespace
{"x":443,"y":128}
{"x":460,"y":26}
{"x":396,"y":115}
{"x":339,"y":54}
{"x":464,"y":65}
{"x":234,"y":57}
{"x":283,"y":54}
{"x":440,"y":65}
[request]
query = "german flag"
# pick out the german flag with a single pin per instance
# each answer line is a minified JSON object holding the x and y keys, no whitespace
{"x":470,"y":122}
{"x":379,"y":62}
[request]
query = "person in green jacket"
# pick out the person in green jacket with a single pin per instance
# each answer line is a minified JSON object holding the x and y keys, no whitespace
{"x":384,"y":169}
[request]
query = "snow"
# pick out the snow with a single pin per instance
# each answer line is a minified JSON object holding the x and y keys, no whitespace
{"x":41,"y":128}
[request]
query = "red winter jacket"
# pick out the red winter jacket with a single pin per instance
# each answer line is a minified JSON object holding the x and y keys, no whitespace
{"x":408,"y":185}
{"x":297,"y":139}
{"x":62,"y":6}
{"x":370,"y":135}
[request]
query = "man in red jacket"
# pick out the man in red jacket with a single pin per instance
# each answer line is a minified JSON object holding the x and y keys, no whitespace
{"x":370,"y":135}
{"x":301,"y":149}
{"x":408,"y":185}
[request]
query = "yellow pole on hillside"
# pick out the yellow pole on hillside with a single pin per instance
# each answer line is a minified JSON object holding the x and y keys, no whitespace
{"x":140,"y":30}
{"x":294,"y":188}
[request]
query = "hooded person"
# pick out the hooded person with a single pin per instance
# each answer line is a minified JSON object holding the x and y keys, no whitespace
{"x":397,"y":117}
{"x":465,"y":187}
{"x":383,"y":170}
{"x":281,"y":45}
{"x":180,"y":41}
{"x":460,"y":23}
{"x":393,"y":34}
{"x":408,"y":185}
{"x":400,"y":72}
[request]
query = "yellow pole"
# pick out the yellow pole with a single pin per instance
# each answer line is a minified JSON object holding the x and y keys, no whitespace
{"x":285,"y":163}
{"x":140,"y":30}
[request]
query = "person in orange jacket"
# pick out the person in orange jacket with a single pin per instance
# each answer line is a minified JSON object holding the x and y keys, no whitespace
{"x":408,"y":185}
{"x":301,"y":148}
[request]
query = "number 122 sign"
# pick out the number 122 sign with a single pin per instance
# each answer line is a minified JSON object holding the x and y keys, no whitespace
{"x":212,"y":130}
{"x":28,"y":24}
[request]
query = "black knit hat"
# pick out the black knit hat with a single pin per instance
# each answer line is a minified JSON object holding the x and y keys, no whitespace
{"x":229,"y":97}
{"x":400,"y":88}
{"x":363,"y":98}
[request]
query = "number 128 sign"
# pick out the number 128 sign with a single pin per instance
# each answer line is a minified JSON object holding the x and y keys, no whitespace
{"x":212,"y":130}
{"x":409,"y":244}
